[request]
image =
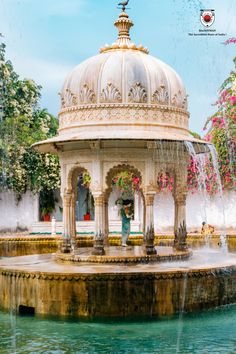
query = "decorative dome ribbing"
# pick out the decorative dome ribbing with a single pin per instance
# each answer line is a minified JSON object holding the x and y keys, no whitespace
{"x":123,"y":86}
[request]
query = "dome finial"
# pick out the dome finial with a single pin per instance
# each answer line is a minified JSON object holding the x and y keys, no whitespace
{"x":123,"y":24}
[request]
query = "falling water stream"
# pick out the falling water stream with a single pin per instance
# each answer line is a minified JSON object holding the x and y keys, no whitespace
{"x":181,"y":312}
{"x":214,"y":157}
{"x":231,"y":146}
{"x":199,"y":161}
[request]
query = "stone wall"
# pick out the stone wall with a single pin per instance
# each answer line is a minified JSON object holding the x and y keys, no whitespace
{"x":23,"y":215}
{"x":116,"y":294}
{"x":217,"y":212}
{"x":18,"y":215}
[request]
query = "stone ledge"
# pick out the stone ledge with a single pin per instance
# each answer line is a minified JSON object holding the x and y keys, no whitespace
{"x":174,"y":274}
{"x":116,"y":256}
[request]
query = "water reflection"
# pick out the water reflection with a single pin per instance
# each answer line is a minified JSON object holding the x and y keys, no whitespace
{"x":208,"y":332}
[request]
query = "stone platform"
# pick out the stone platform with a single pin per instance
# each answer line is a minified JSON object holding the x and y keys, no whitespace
{"x":37,"y":282}
{"x":125,"y":255}
{"x":21,"y":244}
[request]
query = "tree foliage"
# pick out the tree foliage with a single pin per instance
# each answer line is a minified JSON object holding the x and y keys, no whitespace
{"x":222,"y":130}
{"x":22,"y":123}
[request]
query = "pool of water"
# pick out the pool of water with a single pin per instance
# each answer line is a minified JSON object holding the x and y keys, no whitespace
{"x":206,"y":332}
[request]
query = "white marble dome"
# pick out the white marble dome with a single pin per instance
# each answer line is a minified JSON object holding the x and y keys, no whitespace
{"x":123,"y":92}
{"x":123,"y":76}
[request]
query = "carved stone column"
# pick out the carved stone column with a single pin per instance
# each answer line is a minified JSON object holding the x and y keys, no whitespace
{"x":180,"y":195}
{"x":149,"y":223}
{"x":106,"y":221}
{"x":137,"y":207}
{"x":73,"y":221}
{"x":150,"y":241}
{"x":67,"y":234}
{"x":149,"y":216}
{"x":99,"y":225}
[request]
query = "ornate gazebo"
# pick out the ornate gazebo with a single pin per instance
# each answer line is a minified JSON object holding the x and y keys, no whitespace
{"x":122,"y":110}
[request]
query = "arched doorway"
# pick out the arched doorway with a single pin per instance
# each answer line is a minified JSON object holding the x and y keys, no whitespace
{"x":124,"y":186}
{"x":84,"y":205}
{"x":76,"y":193}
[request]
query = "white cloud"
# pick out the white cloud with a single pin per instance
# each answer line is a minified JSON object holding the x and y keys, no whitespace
{"x":48,"y":74}
{"x":45,"y":73}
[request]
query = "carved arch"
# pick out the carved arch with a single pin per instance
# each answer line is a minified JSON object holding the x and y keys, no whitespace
{"x":73,"y":174}
{"x":119,"y":168}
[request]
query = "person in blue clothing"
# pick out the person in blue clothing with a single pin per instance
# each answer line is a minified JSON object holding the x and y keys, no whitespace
{"x":126,"y":213}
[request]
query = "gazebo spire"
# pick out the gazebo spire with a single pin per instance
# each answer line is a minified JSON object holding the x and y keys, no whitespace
{"x":123,"y":24}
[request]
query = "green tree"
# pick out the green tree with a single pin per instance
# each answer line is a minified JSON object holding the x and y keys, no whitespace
{"x":22,"y":123}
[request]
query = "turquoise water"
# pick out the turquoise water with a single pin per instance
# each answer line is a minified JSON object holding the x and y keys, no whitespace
{"x":208,"y":332}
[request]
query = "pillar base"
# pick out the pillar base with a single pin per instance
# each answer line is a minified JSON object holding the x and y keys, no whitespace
{"x":66,"y":246}
{"x":98,"y":252}
{"x":150,"y":238}
{"x":98,"y":248}
{"x":180,"y":243}
{"x":181,"y":247}
{"x":150,"y":250}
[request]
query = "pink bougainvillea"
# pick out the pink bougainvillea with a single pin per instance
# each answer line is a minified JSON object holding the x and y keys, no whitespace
{"x":230,"y":41}
{"x":222,"y":130}
{"x":233,"y":100}
{"x":165,"y":182}
{"x":208,"y":137}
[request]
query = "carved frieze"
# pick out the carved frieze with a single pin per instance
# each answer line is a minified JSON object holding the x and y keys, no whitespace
{"x":153,"y":114}
{"x":161,"y":96}
{"x":137,"y":93}
{"x":87,"y":95}
{"x":75,"y":277}
{"x":68,"y":99}
{"x":111,"y":94}
{"x":185,"y":103}
{"x":179,"y":100}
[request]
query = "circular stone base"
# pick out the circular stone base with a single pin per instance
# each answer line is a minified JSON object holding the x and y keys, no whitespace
{"x":47,"y":287}
{"x":119,"y":254}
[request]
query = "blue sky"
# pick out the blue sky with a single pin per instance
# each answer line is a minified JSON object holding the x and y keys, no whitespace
{"x":47,"y":38}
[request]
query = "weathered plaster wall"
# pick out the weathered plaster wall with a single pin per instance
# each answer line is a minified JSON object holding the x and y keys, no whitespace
{"x":217,"y":212}
{"x":24,"y":214}
{"x":21,"y":215}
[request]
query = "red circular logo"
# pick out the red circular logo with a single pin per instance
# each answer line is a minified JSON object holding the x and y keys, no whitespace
{"x":207,"y":18}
